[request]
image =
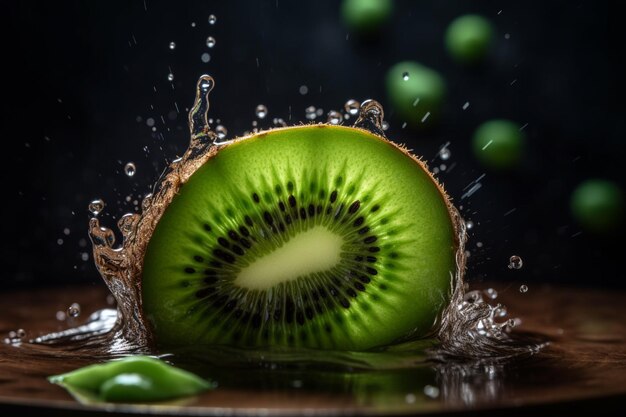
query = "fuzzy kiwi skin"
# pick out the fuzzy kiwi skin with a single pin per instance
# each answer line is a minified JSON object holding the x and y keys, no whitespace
{"x":414,"y":293}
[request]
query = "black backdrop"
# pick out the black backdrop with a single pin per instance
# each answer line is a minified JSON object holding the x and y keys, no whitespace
{"x":79,"y":75}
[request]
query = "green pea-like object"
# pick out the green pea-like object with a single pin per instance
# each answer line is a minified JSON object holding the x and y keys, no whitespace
{"x":468,"y":38}
{"x":499,"y":144}
{"x":366,"y":16}
{"x":132,"y":379}
{"x":598,"y":205}
{"x":416,"y":92}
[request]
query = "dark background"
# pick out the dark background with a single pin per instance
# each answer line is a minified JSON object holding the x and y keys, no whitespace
{"x":81,"y":79}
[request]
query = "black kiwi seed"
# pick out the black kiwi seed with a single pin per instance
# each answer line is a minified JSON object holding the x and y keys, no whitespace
{"x":229,"y":306}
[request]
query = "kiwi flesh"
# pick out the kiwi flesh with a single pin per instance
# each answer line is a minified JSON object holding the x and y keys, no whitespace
{"x":316,"y":236}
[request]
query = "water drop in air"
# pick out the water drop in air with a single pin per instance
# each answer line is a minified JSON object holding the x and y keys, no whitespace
{"x":96,"y":206}
{"x":303,"y":90}
{"x":221,"y":131}
{"x":334,"y":117}
{"x":261,"y":111}
{"x":130,"y":169}
{"x":170,"y":77}
{"x":73,"y":310}
{"x":21,"y":333}
{"x":431,"y":391}
{"x":310,"y":112}
{"x":352,"y":107}
{"x":444,"y":154}
{"x":212,"y":19}
{"x":515,"y":262}
{"x":279,"y":122}
{"x":523,"y":288}
{"x":210,"y":42}
{"x":469,"y":224}
{"x":385,"y":125}
{"x":405,"y":76}
{"x":172,"y":45}
{"x":491,"y":293}
{"x":205,"y":57}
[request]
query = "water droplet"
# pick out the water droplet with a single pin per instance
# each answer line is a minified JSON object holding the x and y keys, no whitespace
{"x":210,"y":42}
{"x":405,"y":76}
{"x":371,"y":117}
{"x":172,"y":45}
{"x":303,"y":90}
{"x":221,"y":131}
{"x":334,"y":117}
{"x":410,"y":398}
{"x":110,"y":300}
{"x":385,"y":125}
{"x":193,"y":24}
{"x":21,"y":333}
{"x":479,"y":244}
{"x":73,"y":310}
{"x":310,"y":112}
{"x":352,"y":107}
{"x":279,"y":122}
{"x":170,"y":77}
{"x":212,"y":19}
{"x":205,"y":57}
{"x":491,"y":293}
{"x":127,"y":223}
{"x":61,"y":316}
{"x":198,"y":123}
{"x":515,"y":262}
{"x":469,"y":224}
{"x":444,"y":154}
{"x":431,"y":391}
{"x":523,"y":288}
{"x":149,"y":122}
{"x":130,"y":169}
{"x":96,"y":206}
{"x":261,"y":111}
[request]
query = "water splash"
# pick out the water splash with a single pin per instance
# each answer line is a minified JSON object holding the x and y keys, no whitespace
{"x":468,"y":328}
{"x":121,"y":266}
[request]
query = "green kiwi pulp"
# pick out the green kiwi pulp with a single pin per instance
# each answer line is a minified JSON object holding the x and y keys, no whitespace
{"x":316,"y":236}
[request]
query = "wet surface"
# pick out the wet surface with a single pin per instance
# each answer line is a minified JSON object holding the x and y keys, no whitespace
{"x":583,"y":368}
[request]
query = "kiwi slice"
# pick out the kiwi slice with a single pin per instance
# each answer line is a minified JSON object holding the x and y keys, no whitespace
{"x":318,"y":236}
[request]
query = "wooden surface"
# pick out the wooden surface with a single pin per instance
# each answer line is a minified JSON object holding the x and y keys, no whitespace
{"x":584,"y":368}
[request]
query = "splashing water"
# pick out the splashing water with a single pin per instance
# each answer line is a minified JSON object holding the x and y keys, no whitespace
{"x":469,"y":327}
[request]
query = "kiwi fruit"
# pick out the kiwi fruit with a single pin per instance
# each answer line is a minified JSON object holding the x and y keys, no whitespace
{"x":315,"y":236}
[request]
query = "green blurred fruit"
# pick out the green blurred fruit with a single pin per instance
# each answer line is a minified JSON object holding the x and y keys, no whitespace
{"x":499,"y":144}
{"x":598,"y":205}
{"x":415,"y":92}
{"x":468,"y":38}
{"x":366,"y":16}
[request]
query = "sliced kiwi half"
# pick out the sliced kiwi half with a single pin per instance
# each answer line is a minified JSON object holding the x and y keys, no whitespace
{"x":318,"y":236}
